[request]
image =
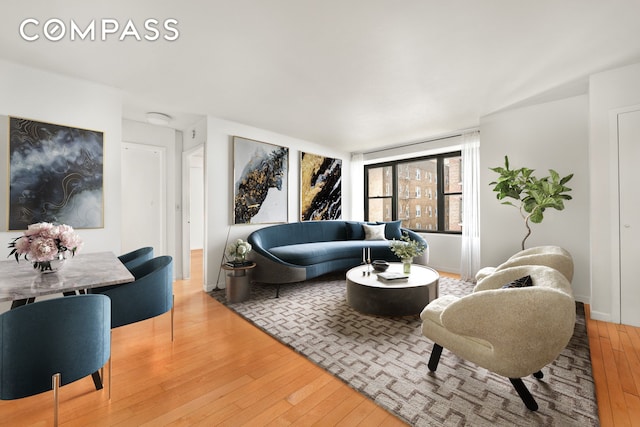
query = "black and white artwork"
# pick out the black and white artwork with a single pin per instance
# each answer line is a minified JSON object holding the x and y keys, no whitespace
{"x":320,"y":187}
{"x":55,"y":175}
{"x":260,"y":179}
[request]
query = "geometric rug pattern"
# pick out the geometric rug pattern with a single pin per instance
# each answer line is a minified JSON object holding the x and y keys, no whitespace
{"x":385,"y":358}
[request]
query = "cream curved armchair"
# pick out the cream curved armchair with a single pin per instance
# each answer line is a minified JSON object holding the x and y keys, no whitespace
{"x":551,"y":256}
{"x":512,"y":332}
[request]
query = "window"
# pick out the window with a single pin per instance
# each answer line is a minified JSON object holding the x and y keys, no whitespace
{"x":388,"y":195}
{"x":380,"y":189}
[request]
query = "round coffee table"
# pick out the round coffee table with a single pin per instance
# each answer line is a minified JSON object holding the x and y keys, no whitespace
{"x":370,"y":295}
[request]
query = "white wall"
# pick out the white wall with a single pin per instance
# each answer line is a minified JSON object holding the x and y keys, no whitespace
{"x":43,"y":96}
{"x":552,"y":135}
{"x":608,"y":91}
{"x":219,"y":187}
{"x":47,"y":97}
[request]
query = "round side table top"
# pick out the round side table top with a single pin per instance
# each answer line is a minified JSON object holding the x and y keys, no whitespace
{"x":420,"y":276}
{"x":229,"y":266}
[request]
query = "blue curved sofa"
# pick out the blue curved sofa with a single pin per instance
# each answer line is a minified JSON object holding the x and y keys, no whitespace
{"x":294,"y":252}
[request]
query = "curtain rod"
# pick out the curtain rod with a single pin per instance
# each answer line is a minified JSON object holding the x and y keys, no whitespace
{"x":411,"y":144}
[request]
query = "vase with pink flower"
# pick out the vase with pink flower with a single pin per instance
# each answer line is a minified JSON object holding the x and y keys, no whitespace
{"x":47,"y":246}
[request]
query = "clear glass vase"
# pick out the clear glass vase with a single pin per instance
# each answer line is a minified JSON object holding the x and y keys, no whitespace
{"x":53,"y":266}
{"x":406,"y":265}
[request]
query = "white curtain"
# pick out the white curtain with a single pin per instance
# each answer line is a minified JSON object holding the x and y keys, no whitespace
{"x":357,"y":185}
{"x":470,"y":253}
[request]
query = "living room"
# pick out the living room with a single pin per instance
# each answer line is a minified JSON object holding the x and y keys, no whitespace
{"x":552,"y":124}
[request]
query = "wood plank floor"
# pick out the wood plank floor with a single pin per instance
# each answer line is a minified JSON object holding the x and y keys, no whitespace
{"x":220,"y":370}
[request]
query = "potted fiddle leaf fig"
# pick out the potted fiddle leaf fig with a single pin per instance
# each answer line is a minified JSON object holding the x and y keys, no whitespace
{"x":529,"y":194}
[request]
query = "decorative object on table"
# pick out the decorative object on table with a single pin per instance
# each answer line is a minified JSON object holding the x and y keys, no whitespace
{"x":406,"y":249}
{"x":320,"y":187}
{"x":380,"y":265}
{"x":366,"y":260}
{"x":390,"y":277}
{"x":532,"y":195}
{"x":60,"y":168}
{"x":238,"y":251}
{"x":46,"y":245}
{"x":260,"y":177}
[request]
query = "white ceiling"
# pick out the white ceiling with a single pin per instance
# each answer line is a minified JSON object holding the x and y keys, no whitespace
{"x":352,"y":74}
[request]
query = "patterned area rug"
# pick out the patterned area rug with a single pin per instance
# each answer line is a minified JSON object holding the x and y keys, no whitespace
{"x":386,"y":359}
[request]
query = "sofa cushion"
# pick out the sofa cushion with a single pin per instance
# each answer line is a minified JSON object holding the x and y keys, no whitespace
{"x":319,"y":252}
{"x":519,"y":283}
{"x":354,"y":230}
{"x":392,"y":229}
{"x":374,"y":232}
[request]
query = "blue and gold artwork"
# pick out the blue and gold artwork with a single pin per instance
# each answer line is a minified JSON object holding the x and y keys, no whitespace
{"x":260,"y":182}
{"x":320,"y":187}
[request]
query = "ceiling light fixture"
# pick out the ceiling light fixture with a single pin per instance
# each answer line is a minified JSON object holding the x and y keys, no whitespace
{"x":159,"y":119}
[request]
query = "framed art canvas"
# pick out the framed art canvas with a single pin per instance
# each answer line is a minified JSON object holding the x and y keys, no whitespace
{"x":260,"y":182}
{"x":320,"y":187}
{"x":55,"y":175}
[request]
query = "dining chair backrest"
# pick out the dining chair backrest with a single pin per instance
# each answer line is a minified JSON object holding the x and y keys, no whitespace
{"x":149,"y":295}
{"x":70,"y":336}
{"x":135,"y":258}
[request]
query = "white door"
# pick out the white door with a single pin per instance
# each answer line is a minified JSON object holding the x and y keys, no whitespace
{"x":143,"y":197}
{"x":629,"y":181}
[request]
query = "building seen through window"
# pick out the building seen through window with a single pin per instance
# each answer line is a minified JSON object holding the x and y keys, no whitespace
{"x":394,"y":191}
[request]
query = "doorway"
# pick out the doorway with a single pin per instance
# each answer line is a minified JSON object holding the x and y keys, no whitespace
{"x":193,"y":213}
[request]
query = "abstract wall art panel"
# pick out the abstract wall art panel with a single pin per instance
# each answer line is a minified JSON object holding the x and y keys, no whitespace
{"x":260,"y":176}
{"x":320,"y":187}
{"x":55,"y":175}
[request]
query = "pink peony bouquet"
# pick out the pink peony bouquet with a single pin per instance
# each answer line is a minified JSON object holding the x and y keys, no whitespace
{"x":43,"y":242}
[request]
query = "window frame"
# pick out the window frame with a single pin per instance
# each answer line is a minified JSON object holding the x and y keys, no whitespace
{"x":440,"y":194}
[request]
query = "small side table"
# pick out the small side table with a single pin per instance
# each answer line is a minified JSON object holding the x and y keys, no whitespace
{"x":237,"y":282}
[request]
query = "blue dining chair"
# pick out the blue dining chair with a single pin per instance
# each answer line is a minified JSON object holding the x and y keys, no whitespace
{"x":135,"y":258}
{"x":51,"y":343}
{"x":149,"y":295}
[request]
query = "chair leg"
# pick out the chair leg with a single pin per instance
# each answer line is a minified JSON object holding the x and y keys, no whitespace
{"x":55,"y":384}
{"x":538,"y":374}
{"x":435,"y":357}
{"x":524,"y":394}
{"x":109,"y":374}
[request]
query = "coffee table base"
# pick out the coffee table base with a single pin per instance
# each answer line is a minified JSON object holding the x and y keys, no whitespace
{"x":368,"y":295}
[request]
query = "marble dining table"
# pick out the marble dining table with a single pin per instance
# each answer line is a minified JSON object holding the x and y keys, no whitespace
{"x":21,"y":283}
